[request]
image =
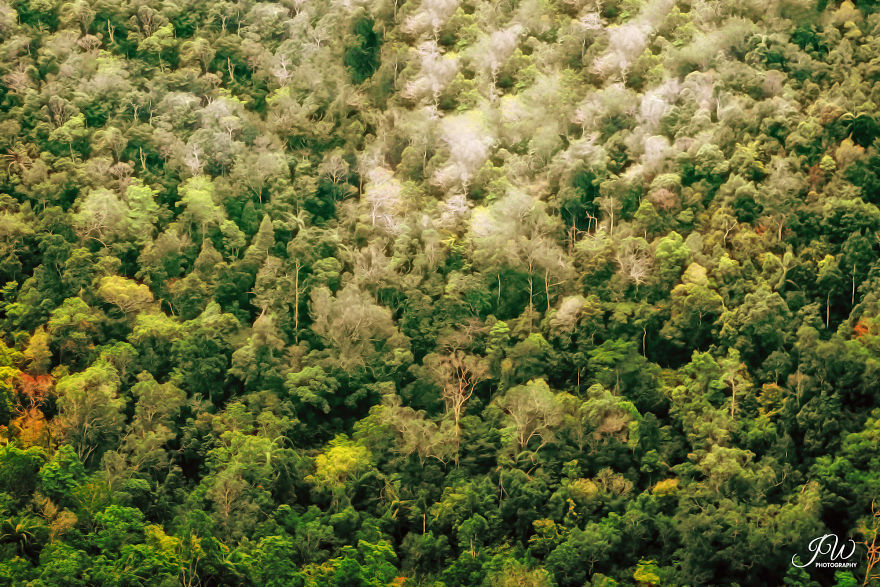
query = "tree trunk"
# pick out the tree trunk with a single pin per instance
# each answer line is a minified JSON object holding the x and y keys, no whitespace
{"x":827,"y":309}
{"x":547,"y":287}
{"x":852,"y":300}
{"x":732,"y":401}
{"x":531,"y":296}
{"x":296,"y":302}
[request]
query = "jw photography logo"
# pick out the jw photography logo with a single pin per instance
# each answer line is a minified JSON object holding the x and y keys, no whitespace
{"x":829,"y":551}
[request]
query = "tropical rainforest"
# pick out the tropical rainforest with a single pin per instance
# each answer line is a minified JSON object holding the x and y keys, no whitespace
{"x":439,"y":292}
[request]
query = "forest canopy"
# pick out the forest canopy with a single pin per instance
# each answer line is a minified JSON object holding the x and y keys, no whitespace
{"x":438,"y":292}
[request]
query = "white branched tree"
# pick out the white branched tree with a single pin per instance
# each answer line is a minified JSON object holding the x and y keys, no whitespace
{"x":517,"y":232}
{"x":468,"y":141}
{"x":383,"y":196}
{"x":457,"y":374}
{"x":435,"y":73}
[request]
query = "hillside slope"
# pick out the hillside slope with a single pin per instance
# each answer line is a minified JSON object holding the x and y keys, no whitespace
{"x":440,"y":292}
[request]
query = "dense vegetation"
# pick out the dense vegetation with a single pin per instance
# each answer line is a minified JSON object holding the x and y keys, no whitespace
{"x":438,"y":292}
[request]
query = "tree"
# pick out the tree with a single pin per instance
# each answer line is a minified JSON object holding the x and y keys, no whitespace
{"x":457,"y":374}
{"x":671,"y":255}
{"x":370,"y":564}
{"x":270,"y":562}
{"x":342,"y":460}
{"x":246,"y":464}
{"x":259,"y":169}
{"x":436,"y":71}
{"x":20,"y":468}
{"x":418,"y":434}
{"x":38,"y":353}
{"x":159,"y":43}
{"x":74,"y":327}
{"x":603,"y":416}
{"x":584,"y":552}
{"x":62,"y":474}
{"x":258,"y":363}
{"x":90,"y":409}
{"x":142,"y":451}
{"x":203,"y":351}
{"x":635,"y":259}
{"x":353,"y":327}
{"x":778,"y":198}
{"x":101,"y":216}
{"x":471,"y":532}
{"x":514,"y":572}
{"x":533,"y":412}
{"x":516,"y":231}
{"x":197,"y":198}
{"x":759,"y":326}
{"x":142,"y":210}
{"x":468,"y":142}
{"x":262,"y":243}
{"x":383,"y":194}
{"x":432,"y":16}
{"x":492,"y":51}
{"x":694,"y":309}
{"x":362,"y":58}
{"x":125,"y":294}
{"x":73,"y":130}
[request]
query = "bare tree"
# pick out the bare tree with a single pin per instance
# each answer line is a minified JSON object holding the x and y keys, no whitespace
{"x":492,"y":52}
{"x":383,"y":195}
{"x":457,"y":374}
{"x":468,"y":140}
{"x":635,"y":260}
{"x":517,"y":231}
{"x":335,"y":167}
{"x":431,"y":17}
{"x":193,"y":159}
{"x":436,"y":71}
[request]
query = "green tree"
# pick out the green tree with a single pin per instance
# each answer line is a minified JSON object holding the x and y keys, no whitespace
{"x":342,"y":460}
{"x":362,"y":57}
{"x":90,"y":409}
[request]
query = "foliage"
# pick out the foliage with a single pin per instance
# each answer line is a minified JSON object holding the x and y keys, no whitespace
{"x":438,"y":292}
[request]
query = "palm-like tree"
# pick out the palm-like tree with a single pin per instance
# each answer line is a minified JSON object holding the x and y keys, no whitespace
{"x":862,"y":128}
{"x":21,"y":531}
{"x":19,"y":158}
